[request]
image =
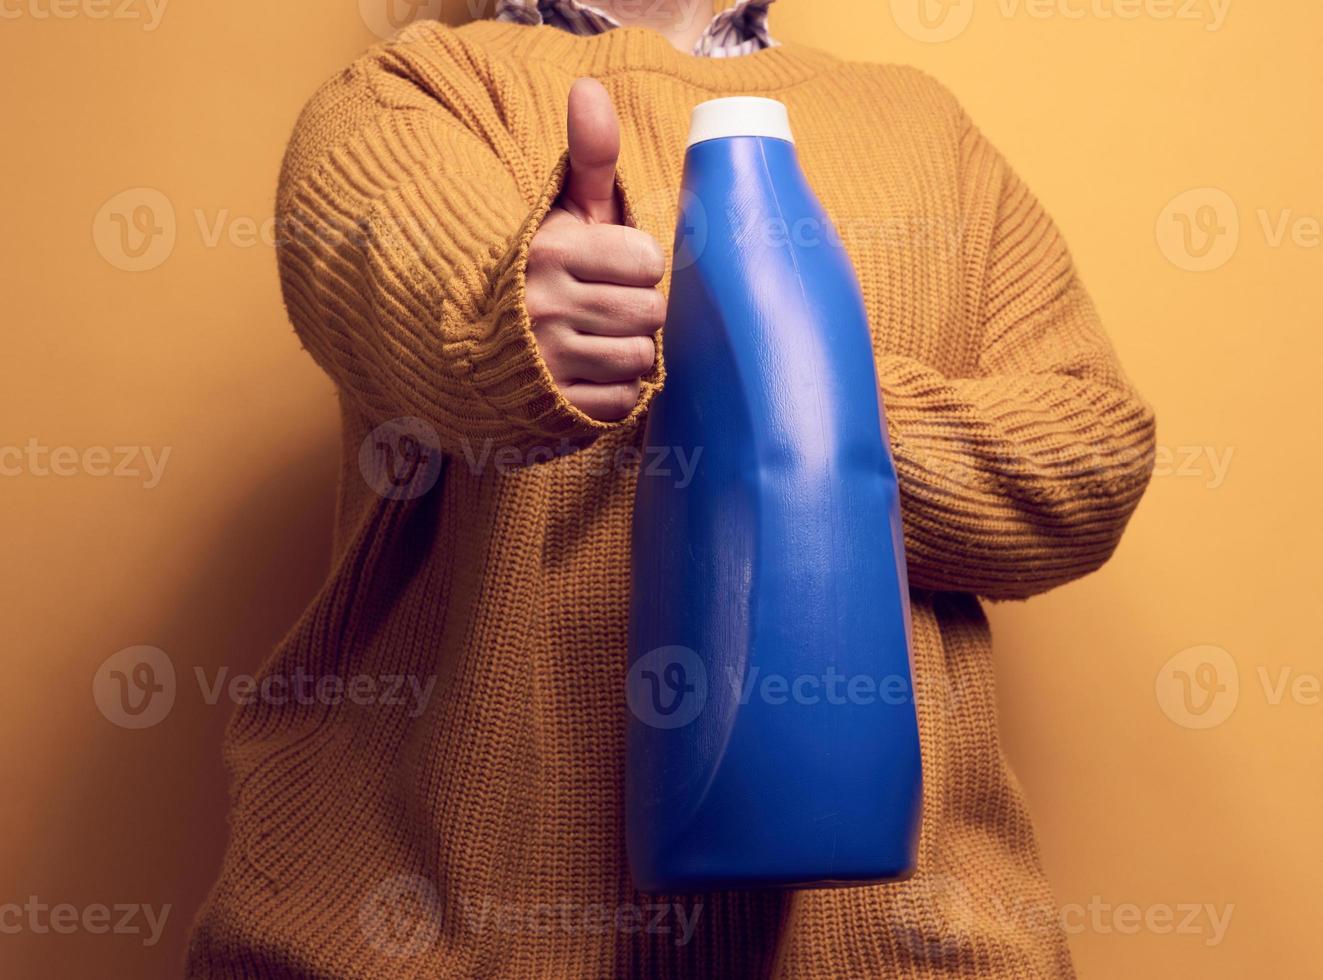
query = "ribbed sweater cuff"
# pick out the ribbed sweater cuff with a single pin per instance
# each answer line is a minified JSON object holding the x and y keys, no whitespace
{"x":501,"y":360}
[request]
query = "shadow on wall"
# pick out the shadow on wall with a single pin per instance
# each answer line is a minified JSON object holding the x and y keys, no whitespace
{"x":139,"y":816}
{"x":148,"y":825}
{"x":386,"y":17}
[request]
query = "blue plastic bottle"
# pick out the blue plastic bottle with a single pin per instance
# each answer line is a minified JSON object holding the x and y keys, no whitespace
{"x":772,"y":735}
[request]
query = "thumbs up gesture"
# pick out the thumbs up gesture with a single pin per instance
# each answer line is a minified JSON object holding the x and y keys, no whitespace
{"x":591,"y":281}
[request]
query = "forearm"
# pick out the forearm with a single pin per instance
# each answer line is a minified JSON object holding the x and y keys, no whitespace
{"x":1021,"y":473}
{"x":404,"y":263}
{"x":1012,"y":484}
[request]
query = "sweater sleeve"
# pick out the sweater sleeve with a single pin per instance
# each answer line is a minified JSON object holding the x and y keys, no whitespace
{"x":1021,"y":476}
{"x":406,"y":212}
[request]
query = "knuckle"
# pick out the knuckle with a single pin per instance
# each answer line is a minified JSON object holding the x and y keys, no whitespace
{"x":645,"y":311}
{"x":645,"y":353}
{"x":654,"y":312}
{"x":651,"y":260}
{"x":578,"y":401}
{"x":540,"y":264}
{"x":630,"y":357}
{"x":537,"y":248}
{"x":538,"y":303}
{"x":559,"y":252}
{"x":623,"y":398}
{"x":551,"y":345}
{"x":613,"y":362}
{"x":550,"y":248}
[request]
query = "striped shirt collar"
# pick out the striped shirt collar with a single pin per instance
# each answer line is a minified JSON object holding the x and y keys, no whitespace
{"x":742,"y":29}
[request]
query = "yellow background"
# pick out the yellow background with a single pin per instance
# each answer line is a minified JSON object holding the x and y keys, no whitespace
{"x":1146,"y":794}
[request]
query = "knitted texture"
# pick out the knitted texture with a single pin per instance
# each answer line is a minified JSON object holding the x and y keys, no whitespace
{"x":735,"y":31}
{"x":478,"y":832}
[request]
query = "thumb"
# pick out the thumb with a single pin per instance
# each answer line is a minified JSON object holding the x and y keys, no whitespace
{"x":594,"y":136}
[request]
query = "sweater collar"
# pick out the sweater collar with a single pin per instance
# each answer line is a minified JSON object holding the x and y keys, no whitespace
{"x":741,"y":29}
{"x":637,"y":49}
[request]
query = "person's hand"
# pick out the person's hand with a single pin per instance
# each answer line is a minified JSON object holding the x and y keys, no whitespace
{"x":591,"y":281}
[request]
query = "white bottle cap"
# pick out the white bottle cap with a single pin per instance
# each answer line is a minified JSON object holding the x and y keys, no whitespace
{"x":740,"y":115}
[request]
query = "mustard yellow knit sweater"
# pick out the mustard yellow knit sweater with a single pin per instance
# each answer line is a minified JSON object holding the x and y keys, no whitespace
{"x":478,"y":831}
